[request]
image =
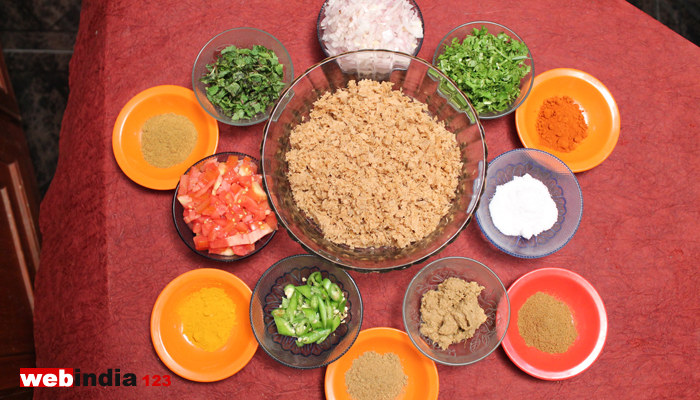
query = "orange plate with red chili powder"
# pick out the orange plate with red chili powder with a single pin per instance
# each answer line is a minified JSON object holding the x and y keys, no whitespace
{"x":589,"y":316}
{"x":600,"y":112}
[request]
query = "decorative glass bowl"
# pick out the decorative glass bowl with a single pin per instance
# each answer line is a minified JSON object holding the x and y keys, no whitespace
{"x":322,"y":15}
{"x":420,"y":81}
{"x":467,"y":29}
{"x":267,"y":296}
{"x":563,"y":188}
{"x":493,"y":300}
{"x":185,"y":231}
{"x":241,"y":38}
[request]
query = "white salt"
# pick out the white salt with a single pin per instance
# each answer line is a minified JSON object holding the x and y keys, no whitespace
{"x":523,"y":207}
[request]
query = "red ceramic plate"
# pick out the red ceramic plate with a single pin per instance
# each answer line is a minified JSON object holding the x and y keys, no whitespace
{"x":422,"y":374}
{"x":172,"y":346}
{"x":589,"y":318}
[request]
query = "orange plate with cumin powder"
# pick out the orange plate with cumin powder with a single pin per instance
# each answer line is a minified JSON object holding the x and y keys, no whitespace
{"x":600,"y":112}
{"x":590,"y":321}
{"x":126,"y":136}
{"x":423,"y":383}
{"x":172,"y":346}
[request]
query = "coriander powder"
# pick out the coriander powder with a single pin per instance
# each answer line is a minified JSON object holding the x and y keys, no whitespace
{"x":167,"y":140}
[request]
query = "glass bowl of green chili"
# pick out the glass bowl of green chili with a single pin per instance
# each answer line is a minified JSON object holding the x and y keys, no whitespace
{"x":489,"y":63}
{"x":239,"y":74}
{"x":305,"y":312}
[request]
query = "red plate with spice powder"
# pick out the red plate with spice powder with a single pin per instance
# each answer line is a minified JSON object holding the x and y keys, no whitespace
{"x":599,"y":111}
{"x":588,"y":313}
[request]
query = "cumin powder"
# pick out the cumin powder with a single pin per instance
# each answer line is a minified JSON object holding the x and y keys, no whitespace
{"x":546,"y":324}
{"x":375,"y":376}
{"x":560,"y":123}
{"x":167,"y":140}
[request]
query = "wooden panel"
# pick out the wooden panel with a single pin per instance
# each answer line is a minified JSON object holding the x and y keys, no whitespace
{"x":7,"y":96}
{"x":17,"y":394}
{"x":15,"y":286}
{"x":9,"y":369}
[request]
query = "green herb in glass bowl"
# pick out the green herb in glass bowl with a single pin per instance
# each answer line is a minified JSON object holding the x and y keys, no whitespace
{"x":244,"y":82}
{"x":487,"y":68}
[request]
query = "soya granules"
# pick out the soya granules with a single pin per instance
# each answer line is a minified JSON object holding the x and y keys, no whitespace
{"x":375,"y":376}
{"x":547,"y":324}
{"x":167,"y":140}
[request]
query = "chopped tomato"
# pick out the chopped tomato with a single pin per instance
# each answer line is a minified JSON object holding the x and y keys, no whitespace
{"x":226,"y":206}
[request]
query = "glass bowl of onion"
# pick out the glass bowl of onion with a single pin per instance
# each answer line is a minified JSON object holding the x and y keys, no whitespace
{"x":422,"y":83}
{"x":562,"y":199}
{"x":395,"y":25}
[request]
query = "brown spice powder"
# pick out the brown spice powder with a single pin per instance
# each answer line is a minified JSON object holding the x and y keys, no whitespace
{"x":561,"y":124}
{"x":372,"y":167}
{"x":167,"y":140}
{"x":451,"y":313}
{"x":375,"y":376}
{"x":546,"y":324}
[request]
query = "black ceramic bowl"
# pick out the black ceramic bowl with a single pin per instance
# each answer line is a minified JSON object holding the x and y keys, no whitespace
{"x":185,"y":231}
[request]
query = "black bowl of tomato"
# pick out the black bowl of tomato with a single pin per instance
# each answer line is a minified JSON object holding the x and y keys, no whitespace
{"x":220,"y":209}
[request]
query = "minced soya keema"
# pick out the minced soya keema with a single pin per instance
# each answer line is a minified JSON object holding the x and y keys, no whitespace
{"x":372,"y":167}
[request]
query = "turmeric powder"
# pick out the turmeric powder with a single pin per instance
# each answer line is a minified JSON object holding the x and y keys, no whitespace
{"x":208,"y":316}
{"x":560,"y":123}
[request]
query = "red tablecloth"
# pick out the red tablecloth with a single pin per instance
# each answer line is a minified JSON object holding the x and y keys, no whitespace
{"x":110,"y":246}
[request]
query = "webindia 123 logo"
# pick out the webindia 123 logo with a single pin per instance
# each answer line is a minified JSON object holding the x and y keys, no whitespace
{"x":68,"y":377}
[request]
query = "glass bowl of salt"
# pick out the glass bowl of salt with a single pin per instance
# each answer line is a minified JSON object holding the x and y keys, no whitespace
{"x":532,"y":203}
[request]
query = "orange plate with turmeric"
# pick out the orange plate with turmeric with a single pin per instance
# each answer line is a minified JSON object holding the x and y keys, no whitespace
{"x":126,"y":136}
{"x":422,"y":374}
{"x":173,"y":347}
{"x":600,"y":112}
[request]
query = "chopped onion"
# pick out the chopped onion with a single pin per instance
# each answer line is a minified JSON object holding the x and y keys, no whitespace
{"x":351,"y":25}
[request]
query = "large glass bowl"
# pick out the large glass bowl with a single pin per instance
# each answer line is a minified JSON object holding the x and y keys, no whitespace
{"x":465,"y":30}
{"x":267,"y":296}
{"x":563,"y":188}
{"x":493,"y":300}
{"x":241,"y":38}
{"x":322,"y":16}
{"x":420,"y":81}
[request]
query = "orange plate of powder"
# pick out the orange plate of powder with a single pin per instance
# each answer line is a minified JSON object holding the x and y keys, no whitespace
{"x":173,"y":347}
{"x":126,"y":136}
{"x":600,"y":112}
{"x":422,"y":374}
{"x":589,"y":316}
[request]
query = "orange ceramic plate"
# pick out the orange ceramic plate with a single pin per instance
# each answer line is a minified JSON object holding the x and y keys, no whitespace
{"x":172,"y":346}
{"x":126,"y":137}
{"x":422,"y":374}
{"x":600,"y":112}
{"x":589,"y":316}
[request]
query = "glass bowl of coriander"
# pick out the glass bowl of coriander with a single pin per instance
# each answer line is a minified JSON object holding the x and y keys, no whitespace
{"x":239,"y":74}
{"x":490,"y":64}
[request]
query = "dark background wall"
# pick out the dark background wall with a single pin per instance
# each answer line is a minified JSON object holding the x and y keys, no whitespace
{"x":38,"y":37}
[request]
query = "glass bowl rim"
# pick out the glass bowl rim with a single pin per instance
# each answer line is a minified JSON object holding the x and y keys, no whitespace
{"x":579,"y":217}
{"x":532,"y":66}
{"x":175,"y":216}
{"x":251,"y":121}
{"x":359,"y":298}
{"x":482,"y":178}
{"x":323,"y":48}
{"x":405,"y":299}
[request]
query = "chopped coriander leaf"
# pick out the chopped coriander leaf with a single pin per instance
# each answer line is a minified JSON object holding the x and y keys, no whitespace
{"x":244,"y":82}
{"x":487,"y":68}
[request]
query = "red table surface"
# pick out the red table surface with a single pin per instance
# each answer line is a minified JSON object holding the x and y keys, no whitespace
{"x":110,"y":247}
